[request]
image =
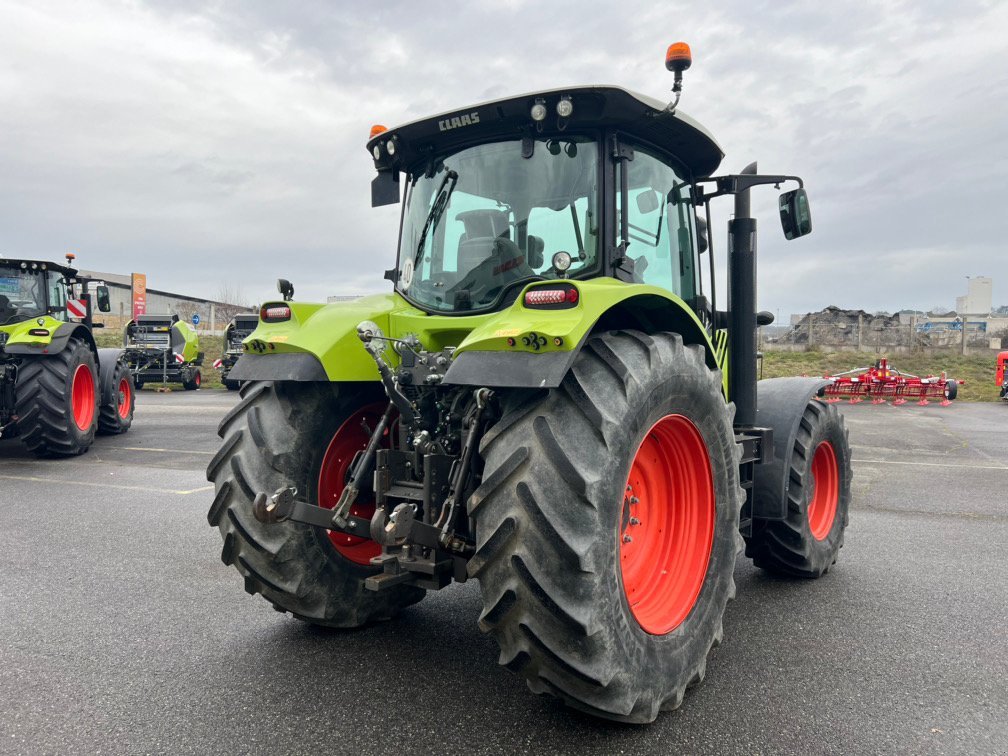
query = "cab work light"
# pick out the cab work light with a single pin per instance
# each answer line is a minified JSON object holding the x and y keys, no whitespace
{"x":551,"y":297}
{"x":274,"y":313}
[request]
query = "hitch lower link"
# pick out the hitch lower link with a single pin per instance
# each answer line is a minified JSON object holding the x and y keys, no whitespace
{"x":400,"y":532}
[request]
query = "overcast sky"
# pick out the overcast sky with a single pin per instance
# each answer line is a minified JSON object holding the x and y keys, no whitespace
{"x":223,"y":143}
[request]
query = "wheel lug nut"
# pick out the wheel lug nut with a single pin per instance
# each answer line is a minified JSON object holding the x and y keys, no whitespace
{"x":634,"y":500}
{"x":634,"y":521}
{"x":627,"y":539}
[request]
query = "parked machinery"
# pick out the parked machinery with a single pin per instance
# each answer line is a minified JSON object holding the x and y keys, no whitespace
{"x":1000,"y":379}
{"x":57,"y":388}
{"x":163,"y":349}
{"x":237,"y":330}
{"x":880,"y":383}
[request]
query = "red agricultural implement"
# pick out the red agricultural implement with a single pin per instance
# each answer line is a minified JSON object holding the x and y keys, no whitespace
{"x":1001,"y":380}
{"x":882,"y":383}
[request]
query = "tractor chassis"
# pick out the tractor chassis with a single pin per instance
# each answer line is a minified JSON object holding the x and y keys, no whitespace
{"x":150,"y":365}
{"x":419,"y":552}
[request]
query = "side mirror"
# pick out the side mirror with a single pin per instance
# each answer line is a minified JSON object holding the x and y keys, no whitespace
{"x":385,"y":188}
{"x":102,"y":295}
{"x":286,"y":289}
{"x":795,"y":215}
{"x":648,"y":201}
{"x":701,"y":233}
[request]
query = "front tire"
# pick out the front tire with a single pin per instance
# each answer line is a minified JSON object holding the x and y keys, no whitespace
{"x":116,"y":414}
{"x":577,"y":609}
{"x":278,"y":435}
{"x":192,"y":380}
{"x":56,"y":401}
{"x":806,"y":543}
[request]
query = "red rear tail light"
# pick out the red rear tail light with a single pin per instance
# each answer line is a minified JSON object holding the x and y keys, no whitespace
{"x":551,"y":297}
{"x":274,"y":313}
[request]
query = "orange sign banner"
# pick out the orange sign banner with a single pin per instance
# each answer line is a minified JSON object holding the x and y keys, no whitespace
{"x":139,"y":281}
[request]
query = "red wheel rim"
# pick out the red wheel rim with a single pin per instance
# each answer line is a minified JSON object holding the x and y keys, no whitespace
{"x":825,"y":491}
{"x":667,"y":527}
{"x":198,"y":379}
{"x":125,"y":398}
{"x":348,"y":440}
{"x":82,"y":397}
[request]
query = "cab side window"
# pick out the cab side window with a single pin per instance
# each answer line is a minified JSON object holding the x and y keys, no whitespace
{"x":659,"y":224}
{"x":57,"y":295}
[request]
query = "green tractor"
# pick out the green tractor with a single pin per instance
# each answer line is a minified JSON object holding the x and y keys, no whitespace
{"x":549,"y":400}
{"x":163,"y":349}
{"x":237,"y":331}
{"x":57,"y":389}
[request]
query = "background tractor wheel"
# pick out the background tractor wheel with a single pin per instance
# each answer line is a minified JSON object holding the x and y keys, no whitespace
{"x":119,"y":399}
{"x":951,"y":389}
{"x":807,"y":542}
{"x":302,"y":435}
{"x":193,"y":380}
{"x":607,"y":527}
{"x":56,"y":401}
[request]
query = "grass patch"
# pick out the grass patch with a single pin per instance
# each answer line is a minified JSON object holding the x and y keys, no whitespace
{"x":976,"y":370}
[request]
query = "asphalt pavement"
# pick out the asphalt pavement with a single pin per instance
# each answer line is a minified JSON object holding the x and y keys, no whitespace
{"x":122,"y":632}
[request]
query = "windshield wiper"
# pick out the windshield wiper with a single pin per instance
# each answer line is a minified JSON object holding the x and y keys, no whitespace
{"x":444,"y":192}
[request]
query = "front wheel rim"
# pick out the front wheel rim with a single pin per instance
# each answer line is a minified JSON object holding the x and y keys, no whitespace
{"x":825,"y":493}
{"x":667,"y":526}
{"x":82,"y":397}
{"x":125,"y":398}
{"x":350,"y":438}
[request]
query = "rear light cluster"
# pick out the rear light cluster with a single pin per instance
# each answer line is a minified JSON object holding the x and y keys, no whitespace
{"x":551,"y":297}
{"x":274,"y":313}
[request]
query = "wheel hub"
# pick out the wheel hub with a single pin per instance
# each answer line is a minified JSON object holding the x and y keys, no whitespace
{"x":666,"y":525}
{"x":351,"y":437}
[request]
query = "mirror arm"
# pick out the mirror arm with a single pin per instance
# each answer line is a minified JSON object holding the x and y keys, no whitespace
{"x":736,"y":183}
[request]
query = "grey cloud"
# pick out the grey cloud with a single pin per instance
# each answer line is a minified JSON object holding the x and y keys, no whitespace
{"x":205,"y":142}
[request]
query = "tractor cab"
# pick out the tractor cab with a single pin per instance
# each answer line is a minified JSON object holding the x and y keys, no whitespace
{"x":534,"y":188}
{"x":33,"y":289}
{"x":576,"y":183}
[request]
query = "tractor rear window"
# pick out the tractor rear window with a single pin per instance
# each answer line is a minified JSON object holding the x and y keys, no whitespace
{"x":487,"y":219}
{"x":22,"y":295}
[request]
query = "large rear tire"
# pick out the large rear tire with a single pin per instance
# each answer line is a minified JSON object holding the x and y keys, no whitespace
{"x":56,"y":401}
{"x":607,"y":527}
{"x":278,"y":435}
{"x":806,"y":543}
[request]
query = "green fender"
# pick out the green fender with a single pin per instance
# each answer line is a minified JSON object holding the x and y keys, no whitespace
{"x":319,"y":342}
{"x":525,"y":347}
{"x":21,"y":340}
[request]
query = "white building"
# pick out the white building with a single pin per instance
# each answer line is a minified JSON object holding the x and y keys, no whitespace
{"x":978,"y":299}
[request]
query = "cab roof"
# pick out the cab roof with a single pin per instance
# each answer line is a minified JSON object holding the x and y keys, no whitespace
{"x":595,"y":107}
{"x":15,"y":262}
